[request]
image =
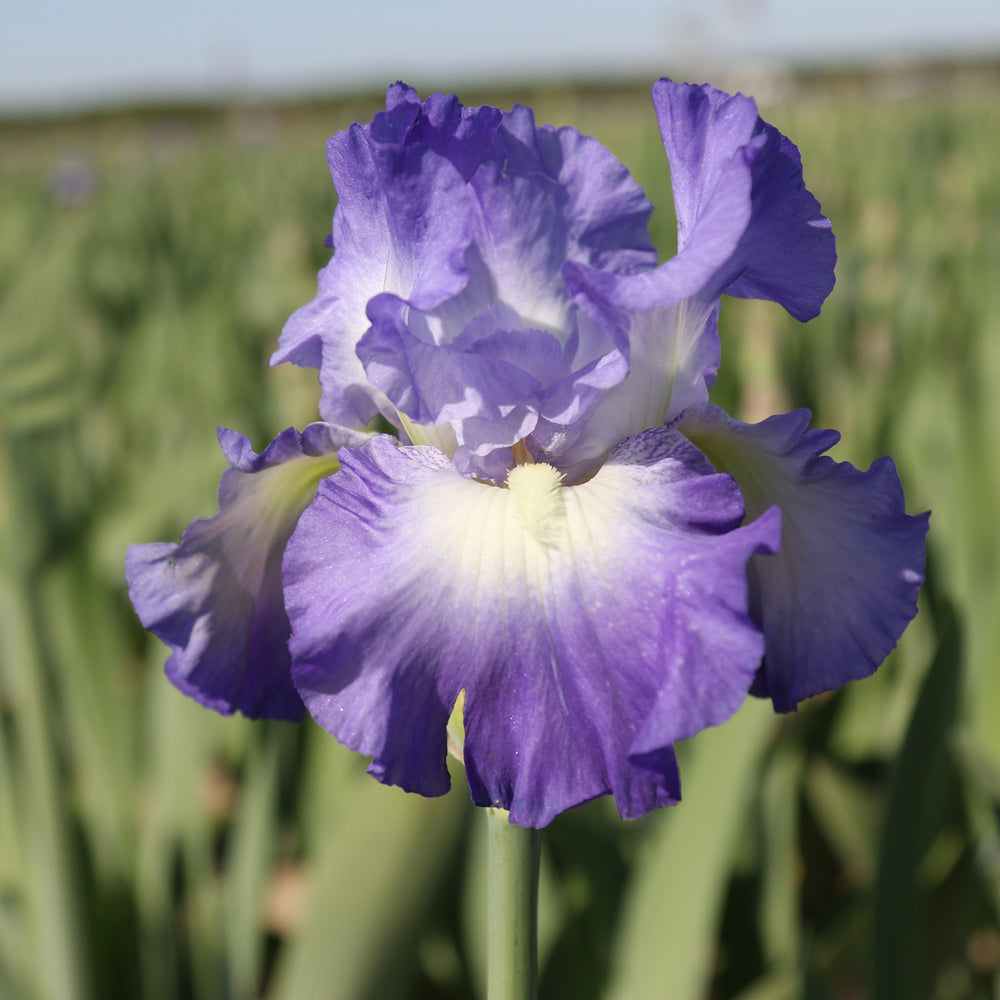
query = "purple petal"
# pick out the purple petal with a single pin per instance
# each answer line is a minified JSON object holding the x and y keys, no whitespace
{"x":549,"y":196}
{"x":835,"y":601}
{"x":545,"y":197}
{"x":403,"y":223}
{"x":786,"y":253}
{"x":458,"y":212}
{"x":673,"y":357}
{"x":215,"y":598}
{"x":709,"y":140}
{"x":590,"y":626}
{"x":746,"y":225}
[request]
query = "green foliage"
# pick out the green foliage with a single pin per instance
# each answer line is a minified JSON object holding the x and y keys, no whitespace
{"x":149,"y":848}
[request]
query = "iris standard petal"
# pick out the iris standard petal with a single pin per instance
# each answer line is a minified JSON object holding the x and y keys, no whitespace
{"x":786,"y":251}
{"x":403,"y":223}
{"x":710,"y":144}
{"x":458,"y":211}
{"x":837,"y":598}
{"x":565,"y":614}
{"x":746,"y":225}
{"x":215,"y":598}
{"x":548,"y":196}
{"x":543,"y":196}
{"x":673,"y":359}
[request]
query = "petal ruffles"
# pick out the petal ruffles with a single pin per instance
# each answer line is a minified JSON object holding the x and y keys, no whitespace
{"x":594,"y":624}
{"x":403,"y":223}
{"x":747,"y":225}
{"x":835,"y":601}
{"x":215,"y":598}
{"x":459,"y":213}
{"x":785,"y":251}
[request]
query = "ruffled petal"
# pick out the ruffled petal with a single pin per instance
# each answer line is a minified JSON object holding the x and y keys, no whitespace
{"x":746,"y":225}
{"x":403,"y":223}
{"x":544,"y":196}
{"x":786,"y":251}
{"x":710,"y":143}
{"x":215,"y":598}
{"x":568,"y":615}
{"x":837,"y":598}
{"x":548,"y":196}
{"x":457,"y":213}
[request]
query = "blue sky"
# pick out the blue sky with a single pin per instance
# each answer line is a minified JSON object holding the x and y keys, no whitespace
{"x":59,"y":53}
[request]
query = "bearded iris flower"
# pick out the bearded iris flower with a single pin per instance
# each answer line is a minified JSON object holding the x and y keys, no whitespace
{"x":565,"y":529}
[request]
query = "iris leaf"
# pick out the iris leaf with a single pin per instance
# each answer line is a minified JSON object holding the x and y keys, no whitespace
{"x":920,"y":782}
{"x":670,"y":915}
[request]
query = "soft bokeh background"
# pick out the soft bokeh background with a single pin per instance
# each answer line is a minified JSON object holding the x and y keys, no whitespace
{"x":148,"y":258}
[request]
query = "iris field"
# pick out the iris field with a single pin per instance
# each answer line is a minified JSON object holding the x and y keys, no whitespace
{"x":151,"y":849}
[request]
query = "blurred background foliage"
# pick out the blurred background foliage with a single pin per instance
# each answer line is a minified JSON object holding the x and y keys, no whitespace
{"x":149,"y":848}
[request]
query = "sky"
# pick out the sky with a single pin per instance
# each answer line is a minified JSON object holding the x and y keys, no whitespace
{"x":57,"y":54}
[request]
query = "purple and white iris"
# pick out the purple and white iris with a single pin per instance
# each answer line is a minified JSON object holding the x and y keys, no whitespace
{"x":565,"y":529}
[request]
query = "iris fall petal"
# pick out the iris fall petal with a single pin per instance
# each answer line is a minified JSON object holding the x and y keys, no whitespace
{"x":564,"y":613}
{"x":215,"y":597}
{"x":835,"y":601}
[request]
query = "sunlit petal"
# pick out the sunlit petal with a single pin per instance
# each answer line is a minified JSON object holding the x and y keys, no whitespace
{"x":215,"y":598}
{"x":836,"y":599}
{"x":564,"y":613}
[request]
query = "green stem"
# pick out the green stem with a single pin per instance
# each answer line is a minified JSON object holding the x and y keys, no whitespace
{"x":512,"y":910}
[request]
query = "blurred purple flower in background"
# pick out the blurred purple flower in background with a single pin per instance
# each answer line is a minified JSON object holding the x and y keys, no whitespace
{"x":565,"y":530}
{"x":73,"y":181}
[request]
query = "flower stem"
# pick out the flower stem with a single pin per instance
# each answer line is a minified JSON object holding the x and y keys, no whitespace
{"x":512,"y":909}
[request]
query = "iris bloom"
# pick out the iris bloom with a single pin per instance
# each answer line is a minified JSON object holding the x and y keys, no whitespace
{"x":565,"y":529}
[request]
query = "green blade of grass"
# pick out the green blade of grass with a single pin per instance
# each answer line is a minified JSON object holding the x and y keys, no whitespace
{"x":918,"y":788}
{"x":666,"y":938}
{"x":53,"y":937}
{"x":779,"y":920}
{"x":372,"y":884}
